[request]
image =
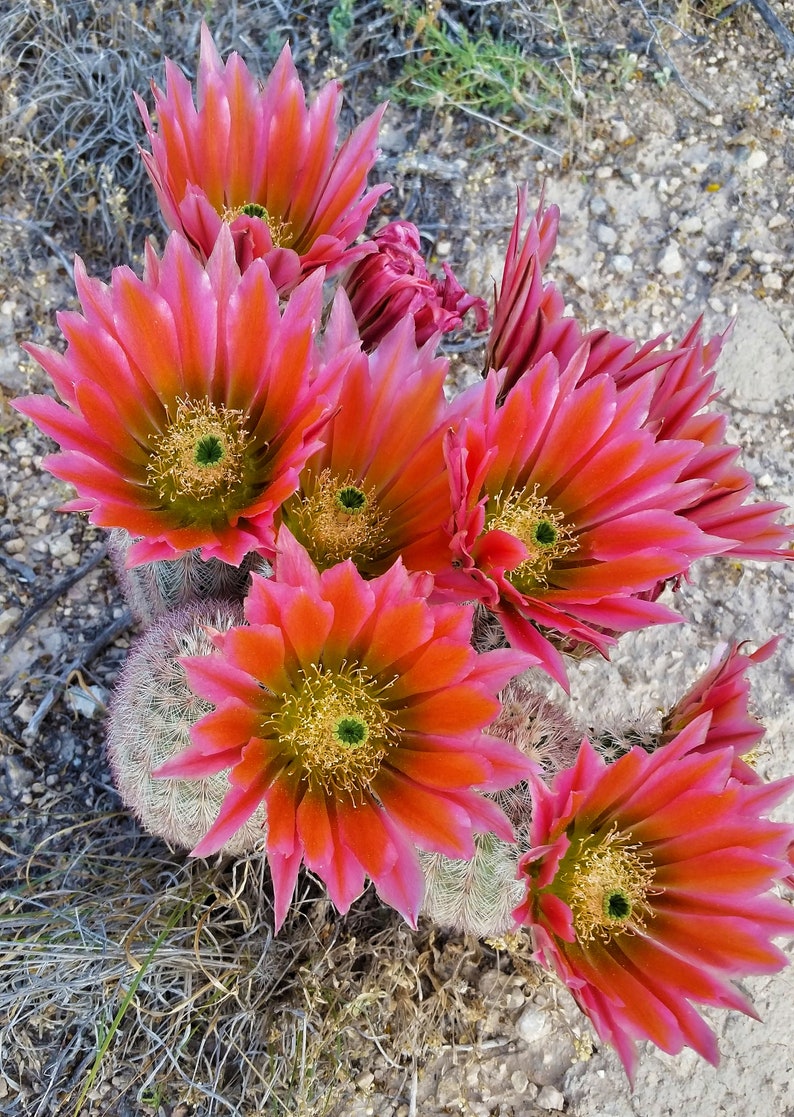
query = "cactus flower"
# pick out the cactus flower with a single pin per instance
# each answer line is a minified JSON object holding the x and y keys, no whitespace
{"x":393,"y":281}
{"x":255,"y":157}
{"x":378,"y":489}
{"x":178,"y":423}
{"x":564,"y":509}
{"x":355,"y":711}
{"x":649,"y":889}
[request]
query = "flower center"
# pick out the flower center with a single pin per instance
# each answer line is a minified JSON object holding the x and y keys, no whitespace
{"x":539,"y":527}
{"x":338,"y":520}
{"x":200,"y":457}
{"x":337,"y":726}
{"x":606,"y":884}
{"x":280,"y":231}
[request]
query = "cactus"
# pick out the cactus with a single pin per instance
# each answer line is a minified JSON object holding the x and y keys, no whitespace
{"x":150,"y":717}
{"x":153,"y":588}
{"x":477,"y":896}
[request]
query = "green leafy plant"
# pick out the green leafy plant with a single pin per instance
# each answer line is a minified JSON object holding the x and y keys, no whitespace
{"x":481,"y":75}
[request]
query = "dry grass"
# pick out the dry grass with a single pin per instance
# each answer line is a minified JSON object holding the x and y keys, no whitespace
{"x":133,"y":978}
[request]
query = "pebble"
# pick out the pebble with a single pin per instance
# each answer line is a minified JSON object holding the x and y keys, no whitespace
{"x":623,"y":265}
{"x":519,"y":1081}
{"x":550,"y":1098}
{"x":605,"y":234}
{"x":757,"y":159}
{"x":8,"y":618}
{"x":533,"y":1024}
{"x":61,"y":545}
{"x":691,"y":224}
{"x":18,"y":778}
{"x":670,"y":262}
{"x":772,"y":281}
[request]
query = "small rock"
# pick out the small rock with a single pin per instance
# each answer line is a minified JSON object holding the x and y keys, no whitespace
{"x":365,"y":1080}
{"x":606,"y":235}
{"x":18,"y":778}
{"x":550,"y":1098}
{"x":88,"y":702}
{"x":8,"y":618}
{"x":670,"y":262}
{"x":621,"y":133}
{"x":533,"y":1024}
{"x":691,"y":224}
{"x":772,"y":281}
{"x":757,"y":159}
{"x":519,"y":1081}
{"x":622,"y":264}
{"x":61,"y":545}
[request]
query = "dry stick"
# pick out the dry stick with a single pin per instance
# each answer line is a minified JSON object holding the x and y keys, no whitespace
{"x":30,"y":614}
{"x":658,"y":45}
{"x":105,"y":637}
{"x":779,"y":29}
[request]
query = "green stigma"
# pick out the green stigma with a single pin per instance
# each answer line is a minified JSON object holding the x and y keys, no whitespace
{"x":253,"y":209}
{"x":280,"y":231}
{"x":541,"y":529}
{"x":337,"y":518}
{"x":198,"y":464}
{"x":607,"y":882}
{"x":617,"y":906}
{"x":209,"y":450}
{"x":351,"y":732}
{"x":350,"y":500}
{"x":338,"y":728}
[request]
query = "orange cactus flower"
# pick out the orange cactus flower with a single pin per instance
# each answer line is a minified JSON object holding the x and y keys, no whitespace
{"x":257,"y":158}
{"x":648,"y":888}
{"x":355,"y":711}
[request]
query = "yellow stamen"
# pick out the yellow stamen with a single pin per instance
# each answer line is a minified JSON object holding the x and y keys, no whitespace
{"x":338,"y":728}
{"x":539,"y":527}
{"x":338,"y":520}
{"x":280,"y":231}
{"x":606,"y":884}
{"x":201,"y":454}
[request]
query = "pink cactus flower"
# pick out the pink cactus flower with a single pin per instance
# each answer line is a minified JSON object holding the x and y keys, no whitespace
{"x":257,"y":158}
{"x":564,"y":508}
{"x":178,"y":423}
{"x":393,"y":281}
{"x":354,"y":710}
{"x":529,"y":323}
{"x":377,"y":490}
{"x":723,"y":690}
{"x":648,"y":889}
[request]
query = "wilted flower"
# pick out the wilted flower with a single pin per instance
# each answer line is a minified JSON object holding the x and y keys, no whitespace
{"x":378,"y":489}
{"x":257,"y":158}
{"x":563,"y":509}
{"x":192,"y":403}
{"x":354,"y":710}
{"x":647,"y":883}
{"x":393,"y":282}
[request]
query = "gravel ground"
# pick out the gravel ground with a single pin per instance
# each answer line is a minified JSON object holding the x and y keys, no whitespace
{"x":677,"y":199}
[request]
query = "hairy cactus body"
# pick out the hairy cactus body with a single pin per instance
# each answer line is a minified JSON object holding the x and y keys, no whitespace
{"x":150,"y":717}
{"x":478,"y":896}
{"x":153,"y":588}
{"x":475,"y":896}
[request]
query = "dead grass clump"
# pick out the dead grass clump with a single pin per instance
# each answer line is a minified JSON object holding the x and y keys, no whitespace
{"x":132,"y":976}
